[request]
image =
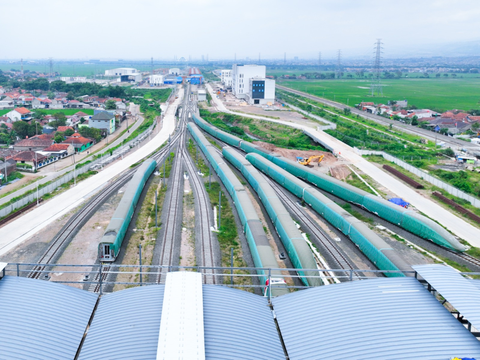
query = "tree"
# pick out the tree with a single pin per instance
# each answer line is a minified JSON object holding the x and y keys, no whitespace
{"x":415,"y":120}
{"x":82,"y":120}
{"x":91,"y":133}
{"x":21,"y":128}
{"x":69,"y":132}
{"x":110,"y":105}
{"x":475,"y":126}
{"x":437,"y":75}
{"x":59,"y":137}
{"x":51,"y":95}
{"x":70,"y":96}
{"x":444,"y":131}
{"x":347,"y":111}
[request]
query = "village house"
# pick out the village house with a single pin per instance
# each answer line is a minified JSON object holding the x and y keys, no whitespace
{"x":19,"y":113}
{"x":103,"y":120}
{"x":33,"y":144}
{"x":79,"y":142}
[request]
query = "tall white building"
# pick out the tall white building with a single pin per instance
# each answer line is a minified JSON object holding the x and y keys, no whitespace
{"x":249,"y":83}
{"x":226,"y":78}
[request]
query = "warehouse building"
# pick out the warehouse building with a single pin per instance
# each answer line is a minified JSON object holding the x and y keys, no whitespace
{"x":249,"y":83}
{"x":121,"y":71}
{"x":379,"y":318}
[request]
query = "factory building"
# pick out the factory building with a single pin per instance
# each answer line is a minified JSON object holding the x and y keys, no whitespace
{"x":226,"y":78}
{"x":174,"y":71}
{"x":121,"y":71}
{"x":156,"y":80}
{"x":201,"y":95}
{"x":249,"y":83}
{"x":261,"y":91}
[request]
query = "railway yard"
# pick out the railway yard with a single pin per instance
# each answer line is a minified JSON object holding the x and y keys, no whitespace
{"x":171,"y":221}
{"x":195,"y":199}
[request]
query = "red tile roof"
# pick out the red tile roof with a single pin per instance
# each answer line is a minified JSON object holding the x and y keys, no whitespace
{"x":81,"y":113}
{"x":64,"y":128}
{"x":77,"y":140}
{"x":57,"y":147}
{"x":22,"y":110}
{"x":43,"y":136}
{"x":29,"y":156}
{"x":33,"y":142}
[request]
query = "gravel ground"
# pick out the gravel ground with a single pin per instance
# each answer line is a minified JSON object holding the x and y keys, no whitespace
{"x":187,"y":246}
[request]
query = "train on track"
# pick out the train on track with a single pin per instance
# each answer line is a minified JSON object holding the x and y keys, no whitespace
{"x":262,"y":254}
{"x":407,"y":219}
{"x":112,"y":239}
{"x":297,"y":248}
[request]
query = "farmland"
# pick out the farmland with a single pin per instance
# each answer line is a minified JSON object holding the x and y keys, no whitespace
{"x":439,"y":94}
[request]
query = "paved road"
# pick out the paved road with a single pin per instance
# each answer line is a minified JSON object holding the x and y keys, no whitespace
{"x":51,"y":175}
{"x":24,"y":227}
{"x":452,"y":222}
{"x":450,"y":141}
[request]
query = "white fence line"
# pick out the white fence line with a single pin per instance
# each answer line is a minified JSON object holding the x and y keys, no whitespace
{"x":425,"y":176}
{"x":69,"y":176}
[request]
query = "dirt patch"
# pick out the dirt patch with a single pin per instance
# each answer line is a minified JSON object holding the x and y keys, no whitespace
{"x":187,"y":246}
{"x":340,"y":172}
{"x":83,"y":249}
{"x":329,"y":159}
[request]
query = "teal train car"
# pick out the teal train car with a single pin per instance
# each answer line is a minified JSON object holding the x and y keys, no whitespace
{"x":112,"y":239}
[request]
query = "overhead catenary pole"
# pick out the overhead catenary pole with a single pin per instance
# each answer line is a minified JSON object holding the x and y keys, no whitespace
{"x":140,"y":262}
{"x":219,"y":209}
{"x":156,"y":211}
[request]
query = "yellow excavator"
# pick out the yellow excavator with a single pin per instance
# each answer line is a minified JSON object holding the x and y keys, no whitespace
{"x":306,"y":162}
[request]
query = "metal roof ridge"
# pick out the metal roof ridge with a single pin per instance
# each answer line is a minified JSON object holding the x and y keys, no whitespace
{"x":182,"y":333}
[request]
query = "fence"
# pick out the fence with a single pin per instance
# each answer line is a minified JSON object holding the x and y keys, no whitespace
{"x":330,"y":126}
{"x":425,"y":176}
{"x":101,"y":161}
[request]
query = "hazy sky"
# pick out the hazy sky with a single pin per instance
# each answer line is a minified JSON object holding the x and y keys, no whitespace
{"x":137,"y":29}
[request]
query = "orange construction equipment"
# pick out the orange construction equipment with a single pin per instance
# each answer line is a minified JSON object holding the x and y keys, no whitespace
{"x":306,"y":162}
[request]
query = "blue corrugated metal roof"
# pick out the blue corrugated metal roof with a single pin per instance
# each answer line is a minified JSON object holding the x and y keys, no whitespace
{"x":395,"y":318}
{"x":457,"y":290}
{"x":126,"y":325}
{"x":238,"y":325}
{"x":42,"y":320}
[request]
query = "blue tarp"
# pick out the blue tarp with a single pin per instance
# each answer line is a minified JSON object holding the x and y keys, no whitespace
{"x":399,"y":201}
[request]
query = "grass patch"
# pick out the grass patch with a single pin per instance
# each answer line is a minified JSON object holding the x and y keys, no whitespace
{"x":14,"y":175}
{"x":347,"y":207}
{"x":194,"y":153}
{"x":167,"y":165}
{"x":353,"y":180}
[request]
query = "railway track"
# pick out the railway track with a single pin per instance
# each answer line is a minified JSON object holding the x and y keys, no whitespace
{"x":341,"y":262}
{"x":204,"y":220}
{"x":78,"y":219}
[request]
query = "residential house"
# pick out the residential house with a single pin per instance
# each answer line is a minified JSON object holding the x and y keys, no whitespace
{"x":64,"y":128}
{"x":121,"y":106}
{"x":39,"y":103}
{"x":81,"y":114}
{"x":19,"y":113}
{"x":33,"y":144}
{"x":452,"y":125}
{"x":58,"y":151}
{"x":56,"y":104}
{"x":6,"y":103}
{"x":103,"y":120}
{"x":75,"y":104}
{"x":2,"y":90}
{"x":35,"y":160}
{"x":79,"y":142}
{"x":8,"y":167}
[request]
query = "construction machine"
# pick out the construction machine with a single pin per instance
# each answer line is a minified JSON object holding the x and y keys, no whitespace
{"x":306,"y":162}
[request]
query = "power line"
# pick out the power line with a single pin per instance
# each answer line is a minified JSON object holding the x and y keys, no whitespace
{"x":376,"y":86}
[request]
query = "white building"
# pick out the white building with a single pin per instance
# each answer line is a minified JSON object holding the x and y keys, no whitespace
{"x":121,"y":71}
{"x":226,"y":78}
{"x":74,"y":79}
{"x":156,"y":80}
{"x":201,"y":95}
{"x":249,"y":83}
{"x":261,"y":91}
{"x":241,"y":75}
{"x":174,"y":71}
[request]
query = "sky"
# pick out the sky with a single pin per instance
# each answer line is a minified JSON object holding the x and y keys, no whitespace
{"x":140,"y":29}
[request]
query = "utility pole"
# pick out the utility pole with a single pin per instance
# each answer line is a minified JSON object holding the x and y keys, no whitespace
{"x":377,"y":69}
{"x":219,"y":209}
{"x":156,"y":211}
{"x":140,"y":261}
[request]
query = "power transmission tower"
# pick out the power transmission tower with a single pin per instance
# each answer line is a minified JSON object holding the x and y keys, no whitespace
{"x":339,"y":64}
{"x":376,"y":86}
{"x":152,"y":64}
{"x":319,"y":59}
{"x":284,"y":58}
{"x":22,"y":67}
{"x":50,"y":62}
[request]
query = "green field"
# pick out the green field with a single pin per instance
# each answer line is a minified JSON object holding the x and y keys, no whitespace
{"x":436,"y":94}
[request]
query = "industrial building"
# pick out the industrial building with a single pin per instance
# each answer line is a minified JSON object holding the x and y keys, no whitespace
{"x":156,"y":80}
{"x":226,"y":78}
{"x":249,"y":83}
{"x":378,"y":318}
{"x":174,"y":71}
{"x":121,"y":71}
{"x":201,"y":95}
